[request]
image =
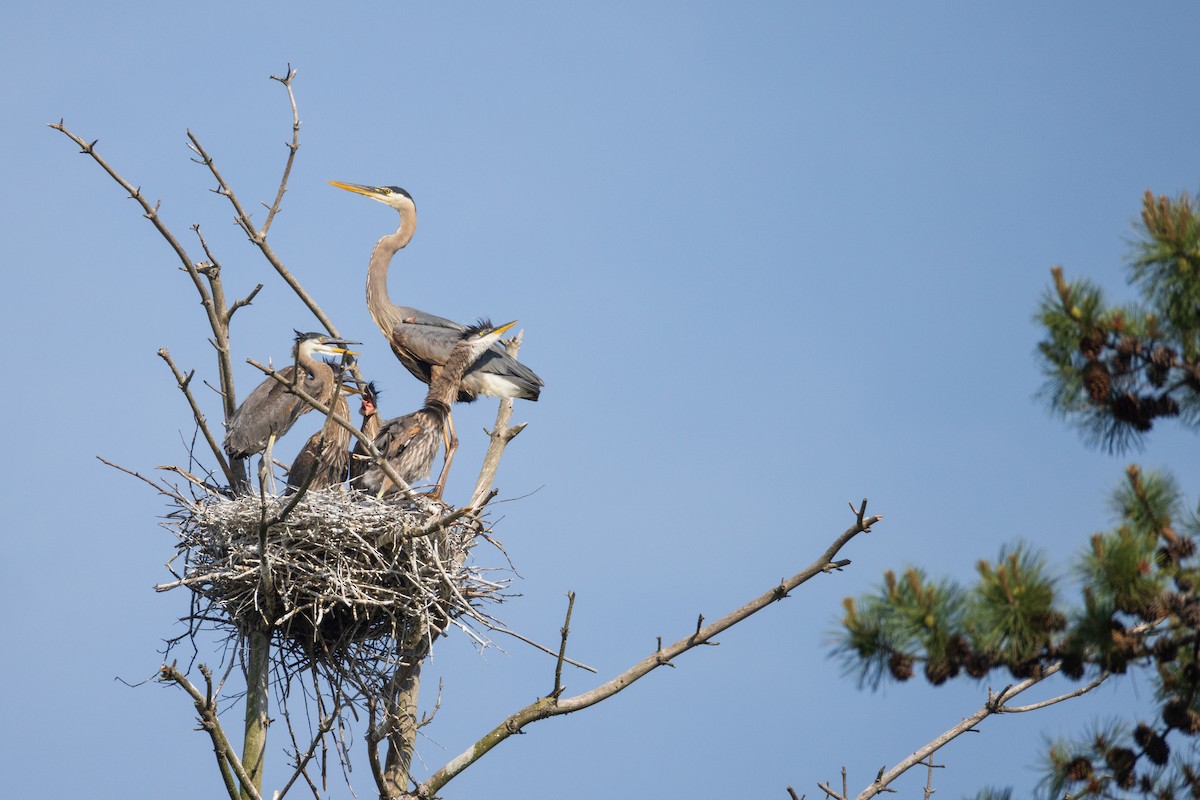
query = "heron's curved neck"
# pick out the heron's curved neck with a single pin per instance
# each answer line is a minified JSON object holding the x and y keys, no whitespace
{"x":370,"y":425}
{"x":332,"y":430}
{"x":443,"y":389}
{"x":305,"y":359}
{"x":386,"y":313}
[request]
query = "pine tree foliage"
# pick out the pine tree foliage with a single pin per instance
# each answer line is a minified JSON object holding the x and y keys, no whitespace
{"x":1114,"y":370}
{"x":1131,"y":599}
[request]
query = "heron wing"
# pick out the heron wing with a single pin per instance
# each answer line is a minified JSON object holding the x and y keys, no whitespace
{"x":419,"y":346}
{"x":267,"y":410}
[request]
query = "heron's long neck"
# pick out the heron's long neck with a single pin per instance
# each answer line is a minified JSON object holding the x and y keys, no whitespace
{"x":385,"y":313}
{"x":370,"y":425}
{"x":333,"y":431}
{"x":443,"y":389}
{"x":319,"y":370}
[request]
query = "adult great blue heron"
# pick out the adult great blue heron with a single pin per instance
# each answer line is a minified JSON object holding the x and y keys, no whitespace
{"x":410,"y":443}
{"x":421,"y":341}
{"x":325,"y":458}
{"x":270,"y":410}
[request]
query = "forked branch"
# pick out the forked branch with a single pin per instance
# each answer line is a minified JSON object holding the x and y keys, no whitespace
{"x":215,"y":311}
{"x":996,"y":704}
{"x":206,"y":707}
{"x":552,"y":706}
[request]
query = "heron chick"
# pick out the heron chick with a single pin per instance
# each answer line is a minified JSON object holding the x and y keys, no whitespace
{"x":410,"y":443}
{"x":270,"y":410}
{"x":325,"y":458}
{"x":369,"y":409}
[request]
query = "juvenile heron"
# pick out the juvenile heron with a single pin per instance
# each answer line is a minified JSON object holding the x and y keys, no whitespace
{"x":410,"y":443}
{"x":423,"y":342}
{"x":369,"y":409}
{"x":325,"y":457}
{"x":270,"y":410}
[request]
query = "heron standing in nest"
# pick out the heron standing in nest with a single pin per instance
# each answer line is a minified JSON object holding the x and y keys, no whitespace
{"x":270,"y":410}
{"x":423,"y":342}
{"x":410,"y":443}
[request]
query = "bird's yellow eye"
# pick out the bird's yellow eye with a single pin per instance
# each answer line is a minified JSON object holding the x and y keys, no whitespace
{"x":386,"y":190}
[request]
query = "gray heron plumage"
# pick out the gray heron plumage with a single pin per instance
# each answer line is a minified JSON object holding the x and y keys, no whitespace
{"x":410,"y":443}
{"x":270,"y":410}
{"x":325,"y":458}
{"x":369,"y":409}
{"x":423,"y":342}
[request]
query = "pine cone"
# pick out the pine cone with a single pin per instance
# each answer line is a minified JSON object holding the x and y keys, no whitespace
{"x":937,"y":671}
{"x":1080,"y":769}
{"x":901,"y":666}
{"x":1166,"y":406}
{"x":1072,"y":665}
{"x":1176,"y":714}
{"x":1097,"y":381}
{"x":1092,"y":345}
{"x":1166,"y":650}
{"x":978,"y":664}
{"x":1152,"y":744}
{"x":1121,"y":760}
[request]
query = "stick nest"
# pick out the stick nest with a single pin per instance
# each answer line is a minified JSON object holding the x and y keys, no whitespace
{"x":344,"y":572}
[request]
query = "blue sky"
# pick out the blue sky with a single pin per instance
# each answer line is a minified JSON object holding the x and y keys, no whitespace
{"x":769,"y":258}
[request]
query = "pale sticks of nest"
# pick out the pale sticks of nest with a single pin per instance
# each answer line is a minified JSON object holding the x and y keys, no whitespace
{"x":344,"y":569}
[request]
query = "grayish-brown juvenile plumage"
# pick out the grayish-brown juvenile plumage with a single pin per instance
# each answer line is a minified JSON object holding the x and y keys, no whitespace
{"x":423,"y":342}
{"x":270,"y":410}
{"x":411,"y":442}
{"x":325,"y":456}
{"x":359,"y":459}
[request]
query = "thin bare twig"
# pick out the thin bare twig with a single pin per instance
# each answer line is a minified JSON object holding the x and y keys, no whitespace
{"x":325,"y":727}
{"x":182,"y":381}
{"x":1101,"y":678}
{"x":216,"y":312}
{"x":259,"y":239}
{"x":491,"y":626}
{"x":167,"y":492}
{"x":273,"y":209}
{"x":562,"y":649}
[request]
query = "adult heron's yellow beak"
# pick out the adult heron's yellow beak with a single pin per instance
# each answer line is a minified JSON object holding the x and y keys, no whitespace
{"x":500,"y":329}
{"x":369,"y":191}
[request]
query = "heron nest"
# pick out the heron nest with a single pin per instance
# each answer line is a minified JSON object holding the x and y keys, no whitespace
{"x":336,"y":575}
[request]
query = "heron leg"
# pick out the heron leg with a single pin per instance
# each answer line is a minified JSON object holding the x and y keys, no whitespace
{"x":451,"y":441}
{"x":266,"y":473}
{"x":385,"y":483}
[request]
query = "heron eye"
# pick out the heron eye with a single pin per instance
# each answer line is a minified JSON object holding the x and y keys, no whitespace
{"x":387,"y":191}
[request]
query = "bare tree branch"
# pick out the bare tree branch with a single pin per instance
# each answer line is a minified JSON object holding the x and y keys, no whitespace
{"x":259,"y":239}
{"x":207,"y":709}
{"x":216,"y":313}
{"x":547,"y":707}
{"x":500,"y":435}
{"x":562,"y":650}
{"x":273,"y":209}
{"x":166,"y":492}
{"x":182,"y":381}
{"x":994,"y":705}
